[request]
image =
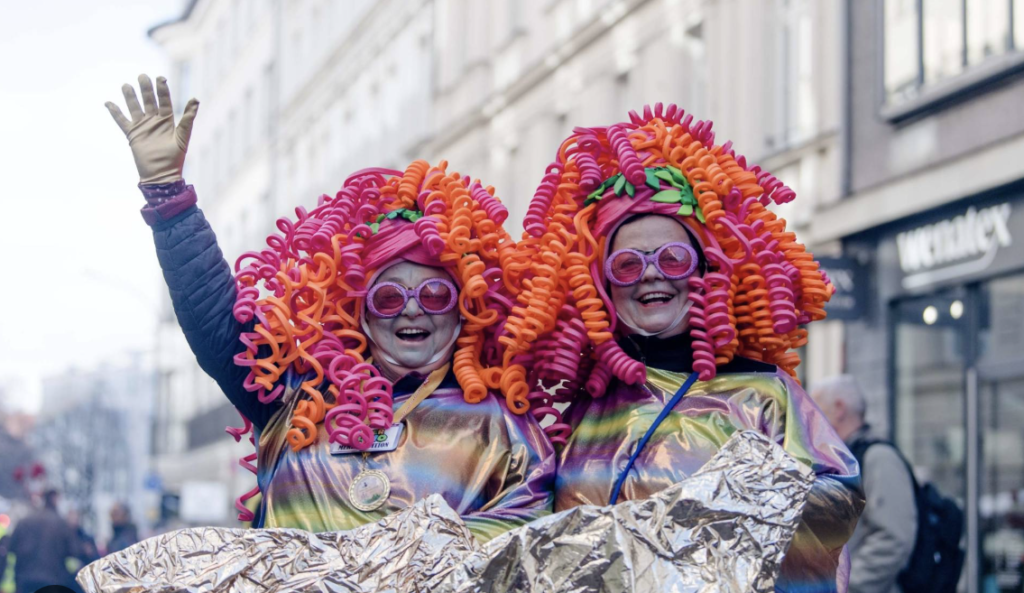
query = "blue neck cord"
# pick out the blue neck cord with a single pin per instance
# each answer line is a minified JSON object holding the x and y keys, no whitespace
{"x":650,"y":432}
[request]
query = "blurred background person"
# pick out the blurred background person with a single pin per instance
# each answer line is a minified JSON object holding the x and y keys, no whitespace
{"x":85,"y":545}
{"x":884,"y":539}
{"x":125,"y":532}
{"x":5,"y":546}
{"x":41,"y":543}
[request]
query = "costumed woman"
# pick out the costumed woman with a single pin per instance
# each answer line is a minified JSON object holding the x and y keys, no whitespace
{"x":663,"y":301}
{"x":359,"y":346}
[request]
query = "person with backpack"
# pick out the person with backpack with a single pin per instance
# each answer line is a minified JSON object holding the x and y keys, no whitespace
{"x":908,"y":537}
{"x":884,"y":538}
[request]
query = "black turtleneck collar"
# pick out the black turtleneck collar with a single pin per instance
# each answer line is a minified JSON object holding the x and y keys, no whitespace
{"x":412,"y":381}
{"x":675,"y":354}
{"x":669,"y":354}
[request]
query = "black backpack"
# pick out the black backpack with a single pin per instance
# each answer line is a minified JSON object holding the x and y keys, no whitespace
{"x":935,"y":563}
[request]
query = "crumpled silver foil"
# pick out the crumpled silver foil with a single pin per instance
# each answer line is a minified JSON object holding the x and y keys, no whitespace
{"x":723,"y":530}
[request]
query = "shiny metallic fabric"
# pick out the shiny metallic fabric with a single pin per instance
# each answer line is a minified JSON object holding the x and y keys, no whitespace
{"x":725,"y":529}
{"x":413,"y":550}
{"x":607,"y":429}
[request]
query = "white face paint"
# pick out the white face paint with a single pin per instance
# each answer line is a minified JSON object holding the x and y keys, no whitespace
{"x":655,"y":305}
{"x":414,"y":340}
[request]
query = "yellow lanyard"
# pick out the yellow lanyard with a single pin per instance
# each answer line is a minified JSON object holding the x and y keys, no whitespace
{"x":422,"y":392}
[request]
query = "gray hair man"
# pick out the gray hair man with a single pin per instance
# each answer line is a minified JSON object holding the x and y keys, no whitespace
{"x":884,"y":538}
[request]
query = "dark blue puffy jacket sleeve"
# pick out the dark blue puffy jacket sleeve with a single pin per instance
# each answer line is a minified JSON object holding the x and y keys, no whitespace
{"x":202,"y":290}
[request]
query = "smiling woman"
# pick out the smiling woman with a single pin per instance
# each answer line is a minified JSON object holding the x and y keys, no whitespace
{"x":411,"y":328}
{"x":662,"y":301}
{"x":652,"y":298}
{"x":359,"y":345}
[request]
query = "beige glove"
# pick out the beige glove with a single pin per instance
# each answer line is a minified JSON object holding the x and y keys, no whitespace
{"x":158,"y":147}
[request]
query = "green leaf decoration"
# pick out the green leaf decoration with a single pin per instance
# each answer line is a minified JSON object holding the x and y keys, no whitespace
{"x":652,"y":180}
{"x":375,"y":227}
{"x":665,"y":176}
{"x":630,"y":190}
{"x":678,"y":176}
{"x":685,"y":210}
{"x":700,"y":216}
{"x":381,"y":217}
{"x":412,"y":215}
{"x":687,"y":193}
{"x":619,"y":184}
{"x":668,"y":196}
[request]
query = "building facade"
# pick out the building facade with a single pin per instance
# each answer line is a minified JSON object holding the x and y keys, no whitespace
{"x":514,"y":77}
{"x":294,"y":97}
{"x":933,"y":192}
{"x":225,"y":53}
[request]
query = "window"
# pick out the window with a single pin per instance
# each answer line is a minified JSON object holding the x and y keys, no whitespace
{"x":1018,"y":23}
{"x":902,"y":53}
{"x":943,"y":39}
{"x":799,"y":108}
{"x":988,"y":29}
{"x":248,"y":122}
{"x":233,"y":145}
{"x":929,"y":43}
{"x":182,"y":87}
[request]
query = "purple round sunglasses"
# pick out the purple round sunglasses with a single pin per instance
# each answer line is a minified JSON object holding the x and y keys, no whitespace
{"x":674,"y":261}
{"x":388,"y":299}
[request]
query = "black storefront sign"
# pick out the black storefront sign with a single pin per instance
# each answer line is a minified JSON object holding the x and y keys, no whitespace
{"x":850,"y":278}
{"x":960,"y":244}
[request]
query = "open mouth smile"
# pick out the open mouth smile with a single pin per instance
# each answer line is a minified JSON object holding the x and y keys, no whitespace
{"x":654,"y":299}
{"x":412,"y":334}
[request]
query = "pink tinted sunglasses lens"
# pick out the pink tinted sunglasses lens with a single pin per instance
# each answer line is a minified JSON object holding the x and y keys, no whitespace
{"x":627,"y":267}
{"x":388,"y":300}
{"x":435,"y":297}
{"x":675,"y":260}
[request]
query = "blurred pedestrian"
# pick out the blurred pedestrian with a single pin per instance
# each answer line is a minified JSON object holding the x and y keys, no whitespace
{"x":5,"y":546}
{"x":884,"y":539}
{"x":125,"y":532}
{"x":41,"y":543}
{"x":85,"y":544}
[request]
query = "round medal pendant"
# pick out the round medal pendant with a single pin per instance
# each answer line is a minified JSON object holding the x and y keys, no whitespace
{"x":369,"y":490}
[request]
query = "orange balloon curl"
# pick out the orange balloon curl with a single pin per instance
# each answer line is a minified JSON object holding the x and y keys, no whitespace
{"x":761,"y":285}
{"x":312,"y":278}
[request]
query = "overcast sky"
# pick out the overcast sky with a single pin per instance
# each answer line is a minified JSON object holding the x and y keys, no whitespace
{"x":80,"y":278}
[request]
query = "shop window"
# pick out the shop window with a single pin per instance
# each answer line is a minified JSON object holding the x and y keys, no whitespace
{"x":937,"y":48}
{"x":929,"y":389}
{"x":1001,"y":413}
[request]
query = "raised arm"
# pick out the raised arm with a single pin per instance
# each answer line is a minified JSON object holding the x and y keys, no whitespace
{"x":200,"y":282}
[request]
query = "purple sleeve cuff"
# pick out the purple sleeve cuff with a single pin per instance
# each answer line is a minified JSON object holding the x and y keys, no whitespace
{"x":166,"y":200}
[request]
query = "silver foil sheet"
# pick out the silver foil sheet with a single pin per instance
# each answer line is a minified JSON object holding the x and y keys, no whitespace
{"x":725,"y":529}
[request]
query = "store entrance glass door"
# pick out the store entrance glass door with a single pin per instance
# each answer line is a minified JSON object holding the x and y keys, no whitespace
{"x":958,"y":412}
{"x":929,"y":388}
{"x":1000,"y":371}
